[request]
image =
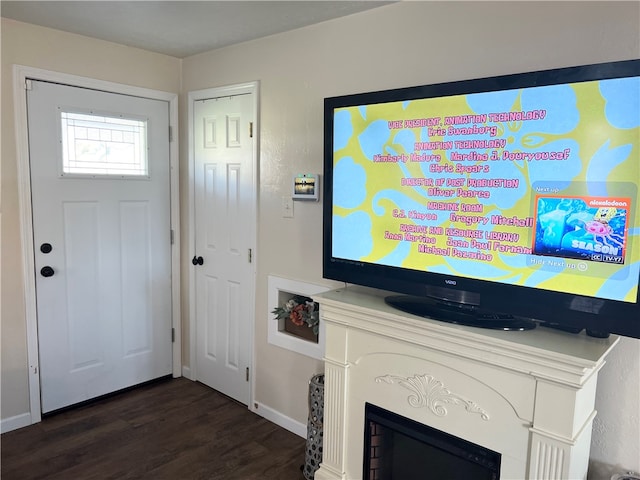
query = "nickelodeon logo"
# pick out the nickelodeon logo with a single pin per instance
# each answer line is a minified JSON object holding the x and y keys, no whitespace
{"x":595,"y":202}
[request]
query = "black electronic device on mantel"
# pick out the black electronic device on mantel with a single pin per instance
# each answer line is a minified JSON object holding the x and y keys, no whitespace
{"x":493,"y":201}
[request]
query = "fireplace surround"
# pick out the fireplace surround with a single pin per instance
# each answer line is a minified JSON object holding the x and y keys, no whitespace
{"x":527,"y":395}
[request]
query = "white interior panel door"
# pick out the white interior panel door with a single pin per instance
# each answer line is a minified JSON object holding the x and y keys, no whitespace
{"x":224,"y":164}
{"x":101,"y":222}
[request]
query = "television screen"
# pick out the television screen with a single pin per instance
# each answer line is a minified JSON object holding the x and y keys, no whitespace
{"x":502,"y":193}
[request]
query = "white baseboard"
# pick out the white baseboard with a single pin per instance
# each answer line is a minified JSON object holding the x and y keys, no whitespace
{"x":186,"y":373}
{"x":13,"y":423}
{"x":280,"y":419}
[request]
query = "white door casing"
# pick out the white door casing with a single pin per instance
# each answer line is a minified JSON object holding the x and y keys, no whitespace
{"x":104,"y":306}
{"x":21,"y":76}
{"x":224,"y":173}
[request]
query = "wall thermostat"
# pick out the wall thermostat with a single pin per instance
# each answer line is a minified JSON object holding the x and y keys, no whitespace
{"x":306,"y":186}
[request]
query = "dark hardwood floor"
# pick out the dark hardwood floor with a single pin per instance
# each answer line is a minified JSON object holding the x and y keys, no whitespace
{"x":174,"y":429}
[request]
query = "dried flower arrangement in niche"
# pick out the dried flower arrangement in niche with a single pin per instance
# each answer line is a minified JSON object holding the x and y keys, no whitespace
{"x":301,"y":317}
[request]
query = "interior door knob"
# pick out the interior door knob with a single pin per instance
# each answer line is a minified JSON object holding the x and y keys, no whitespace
{"x":46,"y":271}
{"x":197,"y":260}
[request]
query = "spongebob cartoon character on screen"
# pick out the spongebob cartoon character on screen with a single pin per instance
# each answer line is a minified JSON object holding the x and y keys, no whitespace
{"x":585,"y":228}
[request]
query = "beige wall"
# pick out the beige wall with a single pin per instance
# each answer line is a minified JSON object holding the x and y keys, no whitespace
{"x":33,"y":46}
{"x":404,"y":44}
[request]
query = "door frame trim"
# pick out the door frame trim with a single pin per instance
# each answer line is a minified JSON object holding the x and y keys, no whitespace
{"x":21,"y":74}
{"x":193,"y":96}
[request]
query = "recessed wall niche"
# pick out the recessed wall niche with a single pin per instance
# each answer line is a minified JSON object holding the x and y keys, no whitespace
{"x":280,"y":290}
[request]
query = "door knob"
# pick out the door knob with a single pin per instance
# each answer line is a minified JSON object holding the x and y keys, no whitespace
{"x":46,"y":271}
{"x":197,"y":260}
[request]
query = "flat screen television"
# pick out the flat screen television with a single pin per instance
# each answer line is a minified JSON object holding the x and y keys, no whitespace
{"x":505,"y":202}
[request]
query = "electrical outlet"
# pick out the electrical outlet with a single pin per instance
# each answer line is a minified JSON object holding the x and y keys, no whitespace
{"x":287,"y":207}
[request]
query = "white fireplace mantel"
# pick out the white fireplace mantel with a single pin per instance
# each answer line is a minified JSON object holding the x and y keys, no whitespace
{"x":526,"y":395}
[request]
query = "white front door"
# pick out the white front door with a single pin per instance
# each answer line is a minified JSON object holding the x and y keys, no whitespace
{"x":101,"y":231}
{"x":224,"y":222}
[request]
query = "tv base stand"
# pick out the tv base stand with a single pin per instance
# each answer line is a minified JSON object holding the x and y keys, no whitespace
{"x":458,"y":313}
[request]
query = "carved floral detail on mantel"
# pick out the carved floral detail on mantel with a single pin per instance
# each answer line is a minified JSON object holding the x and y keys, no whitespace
{"x":431,"y":393}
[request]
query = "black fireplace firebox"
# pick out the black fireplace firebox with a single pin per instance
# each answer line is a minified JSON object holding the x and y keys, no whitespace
{"x":398,"y":448}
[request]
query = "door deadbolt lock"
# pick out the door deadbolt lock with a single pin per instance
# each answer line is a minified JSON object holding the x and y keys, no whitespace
{"x":46,"y":271}
{"x":197,"y":260}
{"x":46,"y":248}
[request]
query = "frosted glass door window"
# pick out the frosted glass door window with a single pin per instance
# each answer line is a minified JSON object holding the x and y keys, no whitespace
{"x":101,"y":145}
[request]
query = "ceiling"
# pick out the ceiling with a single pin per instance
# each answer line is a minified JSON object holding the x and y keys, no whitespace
{"x":179,"y":28}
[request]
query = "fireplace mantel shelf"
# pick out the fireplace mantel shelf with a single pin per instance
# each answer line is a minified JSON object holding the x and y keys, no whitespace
{"x":536,"y":388}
